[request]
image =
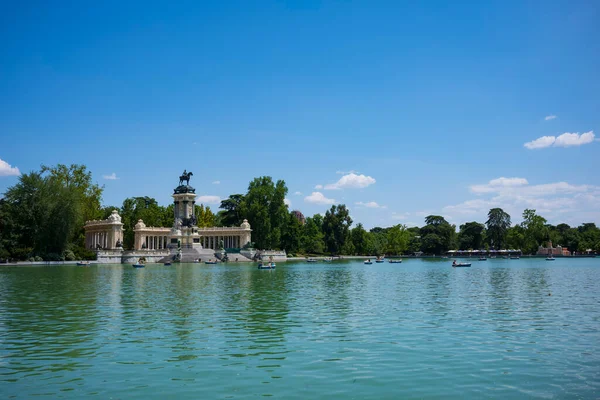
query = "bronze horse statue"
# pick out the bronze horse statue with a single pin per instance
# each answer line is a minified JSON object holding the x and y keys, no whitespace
{"x":185,"y":177}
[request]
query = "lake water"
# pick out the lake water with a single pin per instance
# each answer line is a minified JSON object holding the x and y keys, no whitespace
{"x":421,"y":329}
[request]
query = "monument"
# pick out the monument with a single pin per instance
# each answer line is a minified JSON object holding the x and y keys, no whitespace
{"x":184,"y":228}
{"x":184,"y":241}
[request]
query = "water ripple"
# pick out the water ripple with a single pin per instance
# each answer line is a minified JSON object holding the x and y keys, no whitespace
{"x":342,"y":330}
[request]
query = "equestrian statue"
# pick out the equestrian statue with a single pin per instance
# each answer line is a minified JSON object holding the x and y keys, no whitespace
{"x":185,"y":177}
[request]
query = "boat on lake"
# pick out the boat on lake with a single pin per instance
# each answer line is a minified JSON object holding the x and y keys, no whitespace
{"x":482,"y":259}
{"x":141,"y":263}
{"x":380,"y":260}
{"x":83,"y":263}
{"x":311,"y":260}
{"x":550,"y":258}
{"x":210,"y":262}
{"x":461,"y":264}
{"x":168,"y":263}
{"x":368,"y":262}
{"x":395,"y":261}
{"x":270,"y":265}
{"x":514,"y":258}
{"x":328,"y":259}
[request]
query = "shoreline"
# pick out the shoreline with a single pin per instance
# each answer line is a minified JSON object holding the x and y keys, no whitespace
{"x":319,"y":258}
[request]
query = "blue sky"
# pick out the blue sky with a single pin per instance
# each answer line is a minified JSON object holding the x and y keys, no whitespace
{"x":397,"y":110}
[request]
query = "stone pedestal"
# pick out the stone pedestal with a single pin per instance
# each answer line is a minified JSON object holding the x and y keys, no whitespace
{"x":184,"y":228}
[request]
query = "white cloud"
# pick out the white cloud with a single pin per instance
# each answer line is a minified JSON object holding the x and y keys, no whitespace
{"x":574,"y":139}
{"x":208,"y":199}
{"x":495,"y":184}
{"x":318,"y":187}
{"x":556,"y":201}
{"x":216,"y":183}
{"x":540,"y":143}
{"x":7,"y":170}
{"x":287,"y":202}
{"x":565,"y":140}
{"x":346,"y":172}
{"x":400,"y":217}
{"x":298,"y":193}
{"x":351,"y":181}
{"x":110,"y":177}
{"x":370,"y":204}
{"x":550,"y":117}
{"x":318,"y":198}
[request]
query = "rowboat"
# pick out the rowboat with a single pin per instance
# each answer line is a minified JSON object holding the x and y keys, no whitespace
{"x":482,"y":259}
{"x":550,"y":258}
{"x":515,"y":258}
{"x":328,"y":259}
{"x":266,"y":266}
{"x":141,"y":263}
{"x":395,"y":261}
{"x":83,"y":263}
{"x":368,"y":262}
{"x":311,"y":260}
{"x":379,"y":261}
{"x":210,"y":262}
{"x":461,"y":265}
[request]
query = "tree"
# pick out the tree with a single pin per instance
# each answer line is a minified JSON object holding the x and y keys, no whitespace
{"x":291,"y":234}
{"x":432,"y":244}
{"x":398,"y":238}
{"x":535,"y":230}
{"x":266,"y":211}
{"x":45,"y":211}
{"x":471,"y":235}
{"x":232,"y":213}
{"x":312,"y":240}
{"x":336,"y":226}
{"x":361,"y":240}
{"x":205,"y":217}
{"x":442,"y":235}
{"x":497,"y":226}
{"x":515,"y":237}
{"x":144,"y":208}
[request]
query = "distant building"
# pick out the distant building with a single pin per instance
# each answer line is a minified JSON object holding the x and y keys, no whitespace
{"x":553,"y":251}
{"x":299,"y":216}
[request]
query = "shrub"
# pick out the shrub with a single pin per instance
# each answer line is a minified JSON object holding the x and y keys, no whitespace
{"x":69,"y":255}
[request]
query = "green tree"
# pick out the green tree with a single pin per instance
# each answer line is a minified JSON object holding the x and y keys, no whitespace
{"x":536,"y":231}
{"x":292,"y":234}
{"x":497,"y":227}
{"x":437,"y":236}
{"x":471,"y":235}
{"x":589,"y":237}
{"x":232,"y":213}
{"x":361,"y":240}
{"x":45,"y":211}
{"x":398,"y":238}
{"x":312,"y":240}
{"x":144,"y":208}
{"x":266,"y":211}
{"x":515,"y":237}
{"x":205,"y":217}
{"x":336,"y":227}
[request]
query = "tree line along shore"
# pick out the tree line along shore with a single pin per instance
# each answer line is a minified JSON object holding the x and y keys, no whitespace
{"x":42,"y":218}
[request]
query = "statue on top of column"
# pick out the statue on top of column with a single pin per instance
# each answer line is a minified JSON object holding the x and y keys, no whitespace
{"x":185,"y":177}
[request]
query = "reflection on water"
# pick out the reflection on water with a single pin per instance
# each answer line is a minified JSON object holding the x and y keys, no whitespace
{"x":419,"y":329}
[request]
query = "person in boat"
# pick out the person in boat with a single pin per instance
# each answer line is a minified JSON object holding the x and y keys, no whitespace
{"x":454,"y":262}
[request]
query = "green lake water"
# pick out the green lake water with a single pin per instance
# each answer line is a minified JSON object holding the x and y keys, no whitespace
{"x":501,"y":329}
